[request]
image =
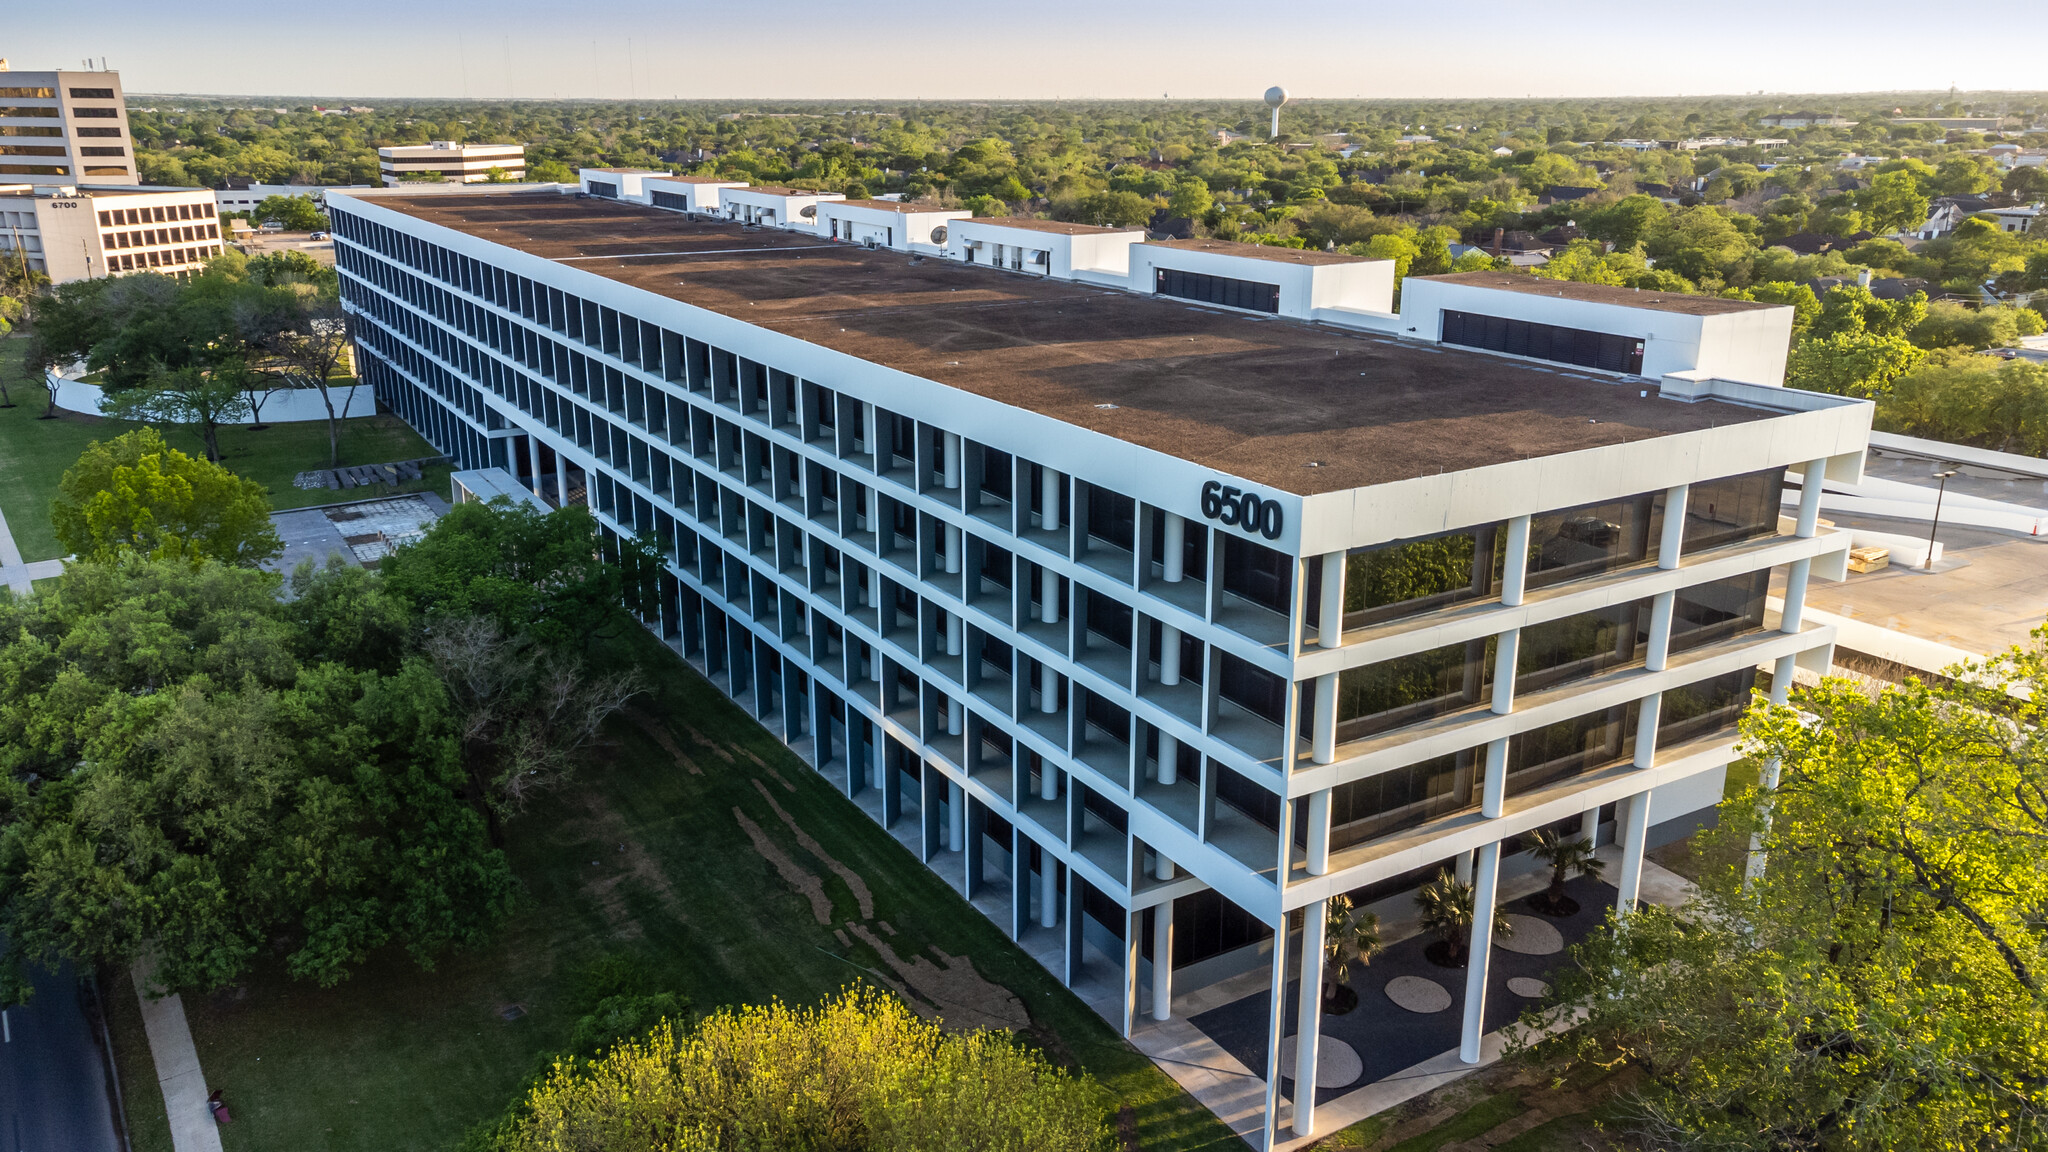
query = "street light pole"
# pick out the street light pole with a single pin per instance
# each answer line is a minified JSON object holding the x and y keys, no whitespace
{"x":1927,"y":565}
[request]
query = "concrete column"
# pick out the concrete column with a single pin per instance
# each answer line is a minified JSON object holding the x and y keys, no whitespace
{"x":1323,"y":741}
{"x":1796,"y":578}
{"x":1134,"y":921}
{"x":1276,"y":1034}
{"x":1514,"y":569}
{"x":1809,"y":497}
{"x":877,"y":758}
{"x":1048,"y":889}
{"x":1507,"y":649}
{"x":953,"y":549}
{"x":1635,"y":831}
{"x":1648,"y":712}
{"x":1162,"y":960}
{"x":1174,"y":545}
{"x":956,"y":717}
{"x":1049,"y":499}
{"x":956,"y":816}
{"x":1048,"y":781}
{"x":1658,"y":648}
{"x":1048,"y":595}
{"x":1768,"y":773}
{"x":561,"y":480}
{"x":1048,"y":689}
{"x":1673,"y":540}
{"x":1169,"y":757}
{"x":951,"y":463}
{"x":1330,"y":613}
{"x":1462,"y":868}
{"x":1485,"y":888}
{"x":955,"y":635}
{"x":1162,"y":865}
{"x":1495,"y":790}
{"x":1169,"y":655}
{"x":871,"y":436}
{"x":1781,"y":683}
{"x":1319,"y":832}
{"x":533,"y":460}
{"x":1309,"y":1016}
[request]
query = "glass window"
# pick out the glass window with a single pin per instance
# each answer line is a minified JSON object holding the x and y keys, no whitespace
{"x":1701,"y":709}
{"x":1382,"y":696}
{"x":1705,"y":613}
{"x":1112,"y":517}
{"x":1252,"y":688}
{"x":1403,"y":798}
{"x":1592,"y":538}
{"x":1257,"y":573}
{"x":1579,"y":646}
{"x":1409,"y":576}
{"x":1571,"y":747}
{"x":1247,"y":796}
{"x":1732,"y":510}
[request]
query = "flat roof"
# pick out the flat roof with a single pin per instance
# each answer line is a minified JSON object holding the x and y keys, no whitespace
{"x":897,"y":206}
{"x":1256,"y":397}
{"x":1259,"y":251}
{"x":1061,"y":227}
{"x":1602,"y":293}
{"x":701,"y":180}
{"x":772,"y":190}
{"x":631,"y":171}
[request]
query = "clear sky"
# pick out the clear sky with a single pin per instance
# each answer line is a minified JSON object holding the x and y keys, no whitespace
{"x":1052,"y":48}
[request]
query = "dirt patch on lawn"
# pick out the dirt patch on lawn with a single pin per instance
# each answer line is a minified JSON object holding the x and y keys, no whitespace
{"x":619,"y":857}
{"x":861,"y":893}
{"x":768,"y":768}
{"x":659,"y":734}
{"x":808,"y":886}
{"x":964,"y":999}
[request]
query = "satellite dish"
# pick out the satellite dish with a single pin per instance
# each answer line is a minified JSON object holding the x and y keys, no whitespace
{"x":1275,"y":97}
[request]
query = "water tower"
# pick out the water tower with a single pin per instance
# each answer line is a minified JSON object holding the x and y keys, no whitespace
{"x":1275,"y":97}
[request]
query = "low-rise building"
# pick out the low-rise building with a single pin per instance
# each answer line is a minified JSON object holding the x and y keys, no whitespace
{"x":774,"y":207}
{"x":445,"y":161}
{"x":699,"y":194}
{"x":75,"y":232}
{"x":617,"y":183}
{"x":64,"y":128}
{"x":244,"y":195}
{"x":889,"y":224}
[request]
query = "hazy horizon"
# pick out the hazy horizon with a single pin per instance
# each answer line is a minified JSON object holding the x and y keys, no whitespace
{"x":893,"y":50}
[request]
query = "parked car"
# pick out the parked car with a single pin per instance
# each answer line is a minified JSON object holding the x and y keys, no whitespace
{"x":319,"y":236}
{"x":271,"y":226}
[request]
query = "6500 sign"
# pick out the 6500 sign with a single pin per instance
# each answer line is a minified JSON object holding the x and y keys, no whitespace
{"x":1228,"y":504}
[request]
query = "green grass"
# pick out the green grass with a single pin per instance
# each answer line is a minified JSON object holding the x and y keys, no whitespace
{"x":397,"y":1058}
{"x":142,"y":1099}
{"x":1363,"y":1134}
{"x":34,"y":454}
{"x":1477,"y":1120}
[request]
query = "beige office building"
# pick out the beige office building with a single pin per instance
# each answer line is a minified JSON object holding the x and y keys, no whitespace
{"x":64,"y":128}
{"x":73,"y":232}
{"x":456,"y":163}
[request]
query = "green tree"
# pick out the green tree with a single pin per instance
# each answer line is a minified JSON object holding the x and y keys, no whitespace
{"x":1567,"y":856}
{"x":1852,"y":310}
{"x":550,"y":172}
{"x":1893,"y":202}
{"x":1191,"y":198}
{"x":859,"y":1071}
{"x":296,"y":213}
{"x":1951,"y":325}
{"x":1873,"y":979}
{"x":177,"y":778}
{"x":1351,"y":936}
{"x":136,"y":494}
{"x":1805,"y":305}
{"x":1850,"y":365}
{"x":1110,"y":209}
{"x":1962,"y":398}
{"x":1446,"y":907}
{"x":199,"y":398}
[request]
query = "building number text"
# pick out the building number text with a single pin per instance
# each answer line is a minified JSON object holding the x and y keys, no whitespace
{"x":1227,"y":504}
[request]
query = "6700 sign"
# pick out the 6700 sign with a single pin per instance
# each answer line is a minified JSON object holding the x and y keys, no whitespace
{"x":1227,"y":504}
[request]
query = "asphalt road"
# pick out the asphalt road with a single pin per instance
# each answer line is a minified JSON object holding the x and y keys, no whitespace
{"x":53,"y":1086}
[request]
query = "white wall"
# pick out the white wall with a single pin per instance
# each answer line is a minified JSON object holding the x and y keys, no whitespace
{"x":295,"y":406}
{"x":700,"y":197}
{"x":901,"y":231}
{"x":1363,"y":286}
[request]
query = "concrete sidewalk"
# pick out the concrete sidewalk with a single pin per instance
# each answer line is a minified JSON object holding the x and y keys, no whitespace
{"x":16,"y":574}
{"x":177,"y":1066}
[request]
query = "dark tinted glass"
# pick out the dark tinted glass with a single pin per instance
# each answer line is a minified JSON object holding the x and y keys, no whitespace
{"x":1706,"y":613}
{"x":1591,"y":539}
{"x":1704,"y":708}
{"x":1394,"y":580}
{"x":1579,"y":646}
{"x":1378,"y":805}
{"x":1391,"y":693}
{"x":1571,"y":747}
{"x":1732,"y":510}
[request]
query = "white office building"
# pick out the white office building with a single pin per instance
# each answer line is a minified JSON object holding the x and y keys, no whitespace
{"x":447,"y":162}
{"x":75,"y":232}
{"x":1154,"y":618}
{"x":64,"y":128}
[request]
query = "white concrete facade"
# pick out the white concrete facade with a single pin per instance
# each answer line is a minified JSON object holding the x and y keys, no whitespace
{"x":1067,"y":252}
{"x":699,"y":194}
{"x":64,"y":128}
{"x":617,"y":183}
{"x":774,"y":207}
{"x":246,"y":199}
{"x":899,"y":578}
{"x":457,"y":163}
{"x":78,"y":232}
{"x":1309,"y":283}
{"x":887,"y":224}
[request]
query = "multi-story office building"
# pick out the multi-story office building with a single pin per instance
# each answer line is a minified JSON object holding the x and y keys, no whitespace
{"x":1153,"y":619}
{"x":73,"y":232}
{"x":64,"y":128}
{"x":450,"y":163}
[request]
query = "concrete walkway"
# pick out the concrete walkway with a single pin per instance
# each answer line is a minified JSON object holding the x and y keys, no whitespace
{"x":177,"y":1066}
{"x":16,"y":574}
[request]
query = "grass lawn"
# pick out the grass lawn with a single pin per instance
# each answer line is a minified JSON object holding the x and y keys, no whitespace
{"x":654,"y":858}
{"x":34,"y":454}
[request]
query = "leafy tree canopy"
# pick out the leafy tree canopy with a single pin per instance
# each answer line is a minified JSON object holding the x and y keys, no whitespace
{"x":136,"y":494}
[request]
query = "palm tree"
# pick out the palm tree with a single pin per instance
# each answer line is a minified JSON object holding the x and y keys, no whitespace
{"x":1350,"y":936}
{"x":1566,"y":858}
{"x":1447,"y":911}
